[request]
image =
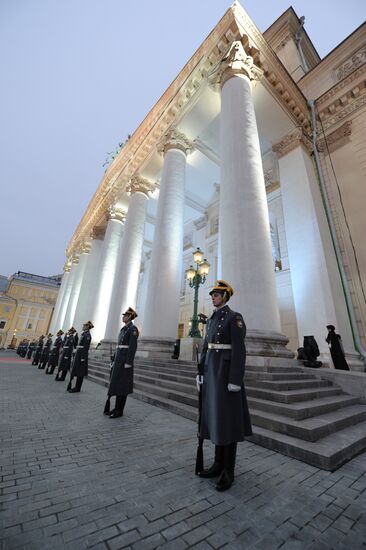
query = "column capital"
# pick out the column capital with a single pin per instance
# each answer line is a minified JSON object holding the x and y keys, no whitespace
{"x":67,"y":266}
{"x":75,"y":259}
{"x":174,"y":139}
{"x":115,"y":213}
{"x":97,"y":233}
{"x":138,"y":184}
{"x":291,"y":141}
{"x":85,"y":247}
{"x":235,"y":62}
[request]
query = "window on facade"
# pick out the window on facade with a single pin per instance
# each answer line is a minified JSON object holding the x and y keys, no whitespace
{"x":29,"y":325}
{"x":2,"y":324}
{"x":6,"y":309}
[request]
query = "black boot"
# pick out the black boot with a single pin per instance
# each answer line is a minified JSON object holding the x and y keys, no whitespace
{"x":120,"y":405}
{"x":218,"y":464}
{"x":79,"y":382}
{"x":107,"y":406}
{"x":226,"y":478}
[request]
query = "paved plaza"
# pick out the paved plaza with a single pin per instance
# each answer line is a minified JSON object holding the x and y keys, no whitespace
{"x":73,"y":478}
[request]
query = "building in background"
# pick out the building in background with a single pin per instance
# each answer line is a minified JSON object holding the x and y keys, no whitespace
{"x":27,"y":302}
{"x":256,"y":153}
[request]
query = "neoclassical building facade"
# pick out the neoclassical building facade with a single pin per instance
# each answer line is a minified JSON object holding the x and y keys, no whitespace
{"x":255,"y":153}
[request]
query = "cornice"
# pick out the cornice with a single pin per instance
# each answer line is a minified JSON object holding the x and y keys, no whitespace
{"x":291,"y":141}
{"x":335,"y":139}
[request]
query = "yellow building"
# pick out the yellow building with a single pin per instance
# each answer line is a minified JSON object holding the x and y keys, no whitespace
{"x":27,"y":302}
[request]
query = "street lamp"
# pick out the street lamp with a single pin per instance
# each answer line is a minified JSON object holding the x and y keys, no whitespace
{"x":195,"y":278}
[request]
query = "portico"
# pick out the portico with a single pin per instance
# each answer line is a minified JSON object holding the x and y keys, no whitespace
{"x":222,"y":161}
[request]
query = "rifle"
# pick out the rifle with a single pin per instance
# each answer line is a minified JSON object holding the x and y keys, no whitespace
{"x":107,"y":406}
{"x":199,"y":454}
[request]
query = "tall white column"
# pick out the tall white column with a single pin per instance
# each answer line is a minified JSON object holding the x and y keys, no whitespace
{"x":76,"y":286}
{"x":86,"y":301}
{"x":65,"y":302}
{"x":244,"y":222}
{"x":54,"y":327}
{"x":316,"y":283}
{"x":162,"y":305}
{"x":107,"y":270}
{"x":129,"y":255}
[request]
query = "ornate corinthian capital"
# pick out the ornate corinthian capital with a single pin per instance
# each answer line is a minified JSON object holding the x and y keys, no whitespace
{"x":115,"y":213}
{"x":138,"y":184}
{"x":173,"y":139}
{"x":85,"y":247}
{"x":235,"y":62}
{"x":67,"y":266}
{"x":290,"y":142}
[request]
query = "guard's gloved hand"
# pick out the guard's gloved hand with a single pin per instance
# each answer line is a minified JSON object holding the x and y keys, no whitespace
{"x":233,"y":387}
{"x":199,"y":381}
{"x":128,"y":366}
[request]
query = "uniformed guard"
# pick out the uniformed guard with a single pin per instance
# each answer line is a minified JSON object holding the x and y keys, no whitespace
{"x":54,"y":353}
{"x":80,"y":363}
{"x":39,"y":348}
{"x":45,"y":352}
{"x":121,"y":383}
{"x":66,"y":355}
{"x":225,"y":416}
{"x":31,"y":348}
{"x":336,"y":349}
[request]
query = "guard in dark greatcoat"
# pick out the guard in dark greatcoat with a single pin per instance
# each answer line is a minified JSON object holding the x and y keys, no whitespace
{"x":54,"y":353}
{"x":80,"y":362}
{"x":31,"y":348}
{"x":121,"y":383}
{"x":45,"y":352}
{"x":336,"y":349}
{"x":225,"y":418}
{"x":66,"y":355}
{"x":37,"y":353}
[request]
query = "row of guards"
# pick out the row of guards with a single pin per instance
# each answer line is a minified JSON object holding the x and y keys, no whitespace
{"x":223,"y":411}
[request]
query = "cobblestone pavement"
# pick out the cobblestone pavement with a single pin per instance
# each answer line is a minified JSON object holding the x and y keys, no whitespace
{"x":73,"y":478}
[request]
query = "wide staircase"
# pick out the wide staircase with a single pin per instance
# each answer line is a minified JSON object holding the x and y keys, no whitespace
{"x":293,"y":411}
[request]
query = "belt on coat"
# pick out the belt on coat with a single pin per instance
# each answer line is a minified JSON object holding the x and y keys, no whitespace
{"x":79,"y":347}
{"x":219,"y":346}
{"x":122,"y":346}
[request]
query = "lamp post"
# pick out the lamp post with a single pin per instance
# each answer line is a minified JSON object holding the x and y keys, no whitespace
{"x":196,"y":277}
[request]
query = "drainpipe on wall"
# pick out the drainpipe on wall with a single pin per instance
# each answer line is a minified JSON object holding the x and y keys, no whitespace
{"x":350,"y":308}
{"x":298,"y":38}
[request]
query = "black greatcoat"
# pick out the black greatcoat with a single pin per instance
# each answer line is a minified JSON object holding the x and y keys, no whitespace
{"x":37,"y":353}
{"x":336,"y":351}
{"x":66,"y":354}
{"x":55,"y":352}
{"x":46,"y":351}
{"x":31,"y":347}
{"x":122,"y":377}
{"x":225,"y":416}
{"x":80,"y":363}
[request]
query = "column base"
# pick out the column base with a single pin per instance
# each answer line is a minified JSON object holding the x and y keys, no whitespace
{"x":188,"y":348}
{"x":263,"y":343}
{"x":162,"y":348}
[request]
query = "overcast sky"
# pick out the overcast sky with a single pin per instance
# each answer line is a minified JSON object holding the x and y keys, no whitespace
{"x":78,"y":76}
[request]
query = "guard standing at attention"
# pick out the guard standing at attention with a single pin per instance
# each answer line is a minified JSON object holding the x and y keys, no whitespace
{"x":54,"y":353}
{"x":80,"y":363}
{"x":66,"y":355}
{"x":121,"y":383}
{"x":225,"y":418}
{"x":336,"y":349}
{"x":37,"y":353}
{"x":31,"y":348}
{"x":45,"y":352}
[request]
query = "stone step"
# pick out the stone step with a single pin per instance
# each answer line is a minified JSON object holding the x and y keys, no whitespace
{"x":286,"y":385}
{"x":291,"y":396}
{"x":167,"y":370}
{"x":169,"y":384}
{"x":329,"y":453}
{"x":167,"y":393}
{"x":182,"y":409}
{"x":274,"y":369}
{"x":279,"y":376}
{"x":303,"y":409}
{"x":98,"y":380}
{"x":310,"y":429}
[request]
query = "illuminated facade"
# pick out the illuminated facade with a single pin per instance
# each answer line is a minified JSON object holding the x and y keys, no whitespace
{"x":27,"y":302}
{"x":256,"y":154}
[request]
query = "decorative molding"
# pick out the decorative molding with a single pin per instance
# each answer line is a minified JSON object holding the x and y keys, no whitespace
{"x":235,"y":62}
{"x":174,"y":139}
{"x":335,"y":139}
{"x":343,"y":107}
{"x":201,"y":222}
{"x":357,"y":59}
{"x":138,"y":184}
{"x":115,"y":213}
{"x":67,"y":266}
{"x":294,"y":139}
{"x":85,"y":247}
{"x":75,"y":259}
